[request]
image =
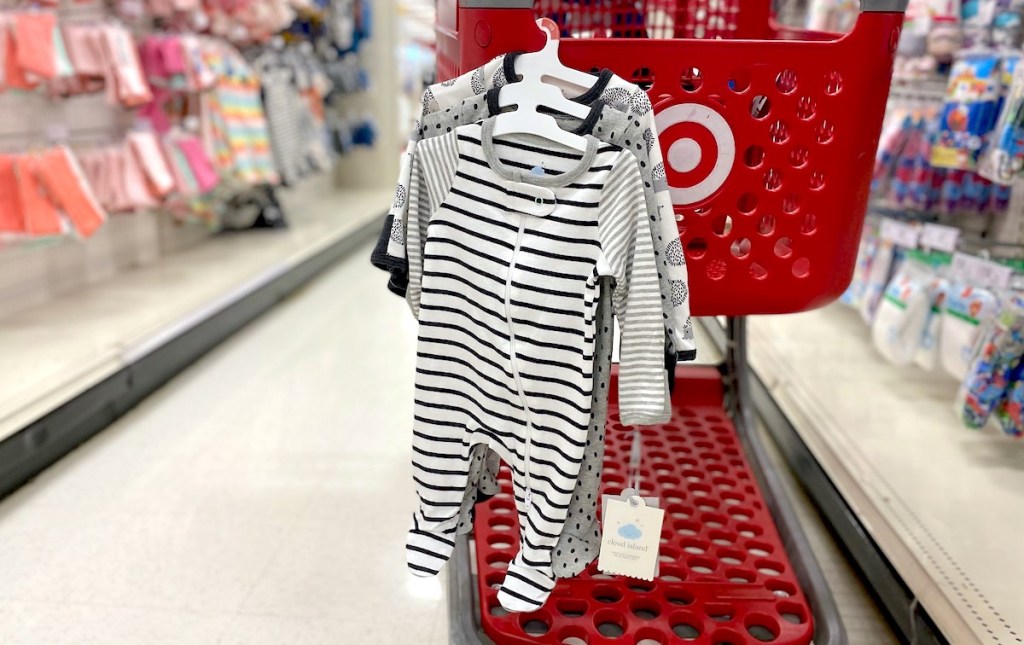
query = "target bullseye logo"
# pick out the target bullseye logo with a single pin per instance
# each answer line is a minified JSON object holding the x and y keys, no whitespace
{"x":701,"y":153}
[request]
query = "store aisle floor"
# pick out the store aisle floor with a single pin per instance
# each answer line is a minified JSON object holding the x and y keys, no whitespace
{"x":260,"y":498}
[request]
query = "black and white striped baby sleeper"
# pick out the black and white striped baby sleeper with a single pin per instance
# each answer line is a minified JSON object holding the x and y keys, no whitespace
{"x":505,"y":292}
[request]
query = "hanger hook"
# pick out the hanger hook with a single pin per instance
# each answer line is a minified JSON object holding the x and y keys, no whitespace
{"x":549,"y":27}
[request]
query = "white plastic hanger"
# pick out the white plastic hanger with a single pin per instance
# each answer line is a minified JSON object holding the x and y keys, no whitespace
{"x":545,"y":63}
{"x":531,"y":93}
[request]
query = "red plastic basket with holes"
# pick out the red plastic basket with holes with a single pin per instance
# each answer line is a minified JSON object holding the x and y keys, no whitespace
{"x":769,"y":133}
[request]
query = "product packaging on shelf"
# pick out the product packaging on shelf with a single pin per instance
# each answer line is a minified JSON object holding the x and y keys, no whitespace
{"x":970,"y":112}
{"x":1004,"y":158}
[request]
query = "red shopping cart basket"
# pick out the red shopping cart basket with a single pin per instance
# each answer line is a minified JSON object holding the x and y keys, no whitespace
{"x":769,"y":133}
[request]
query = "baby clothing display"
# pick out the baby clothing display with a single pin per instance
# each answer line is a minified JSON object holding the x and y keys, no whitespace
{"x":39,"y":213}
{"x":580,"y":542}
{"x":297,"y":135}
{"x":66,"y":184}
{"x":619,"y":95}
{"x":495,"y":228}
{"x":532,"y":247}
{"x":11,"y":218}
{"x":47,"y":193}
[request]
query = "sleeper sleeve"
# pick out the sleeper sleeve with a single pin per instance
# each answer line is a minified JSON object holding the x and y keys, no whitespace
{"x":628,"y":250}
{"x":431,"y":175}
{"x":389,"y":253}
{"x":675,"y":280}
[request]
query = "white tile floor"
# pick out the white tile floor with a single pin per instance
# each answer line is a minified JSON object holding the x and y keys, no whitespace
{"x":260,"y":498}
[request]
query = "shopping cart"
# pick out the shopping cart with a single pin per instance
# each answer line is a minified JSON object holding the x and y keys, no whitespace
{"x":769,"y":135}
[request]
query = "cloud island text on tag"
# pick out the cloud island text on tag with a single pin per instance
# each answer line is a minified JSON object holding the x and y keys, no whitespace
{"x":628,"y":545}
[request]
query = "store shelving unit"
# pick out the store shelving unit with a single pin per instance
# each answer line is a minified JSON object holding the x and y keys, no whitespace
{"x":931,"y":511}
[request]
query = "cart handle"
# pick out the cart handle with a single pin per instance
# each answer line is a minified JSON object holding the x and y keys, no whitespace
{"x":897,"y":6}
{"x":880,"y":6}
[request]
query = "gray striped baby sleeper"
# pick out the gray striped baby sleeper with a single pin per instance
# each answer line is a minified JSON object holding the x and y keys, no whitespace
{"x":505,"y":291}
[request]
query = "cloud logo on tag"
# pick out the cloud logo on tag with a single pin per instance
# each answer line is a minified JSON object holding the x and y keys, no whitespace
{"x":630,"y":532}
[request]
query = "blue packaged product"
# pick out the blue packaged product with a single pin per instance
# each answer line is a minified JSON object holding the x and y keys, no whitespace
{"x":970,"y":111}
{"x":1004,"y":157}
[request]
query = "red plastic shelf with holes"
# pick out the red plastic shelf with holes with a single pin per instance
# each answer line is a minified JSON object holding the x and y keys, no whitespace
{"x":724,"y":576}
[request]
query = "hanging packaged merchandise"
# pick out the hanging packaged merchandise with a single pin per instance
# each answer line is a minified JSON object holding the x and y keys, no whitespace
{"x":975,"y":194}
{"x":878,"y":277}
{"x":14,"y":76}
{"x":934,"y":266}
{"x":41,"y":216}
{"x":836,"y":16}
{"x":1006,"y":24}
{"x":854,"y":294}
{"x":993,"y":366}
{"x":66,"y":185}
{"x":84,"y":49}
{"x":145,"y":147}
{"x":917,"y":21}
{"x":967,"y":308}
{"x":945,"y":38}
{"x":12,"y":220}
{"x":902,"y":315}
{"x":911,"y":163}
{"x":1010,"y":413}
{"x":992,"y":23}
{"x":1004,"y":158}
{"x":893,"y":140}
{"x":244,"y":121}
{"x":970,"y":111}
{"x":927,"y":354}
{"x":35,"y":51}
{"x":298,"y":143}
{"x":125,"y":80}
{"x":978,"y":16}
{"x":921,"y":187}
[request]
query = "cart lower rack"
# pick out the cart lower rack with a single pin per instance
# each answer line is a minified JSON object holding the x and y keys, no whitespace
{"x":724,"y":574}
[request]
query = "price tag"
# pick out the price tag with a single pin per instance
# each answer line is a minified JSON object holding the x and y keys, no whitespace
{"x":983,"y":273}
{"x":900,"y":233}
{"x":631,"y":536}
{"x":938,"y":237}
